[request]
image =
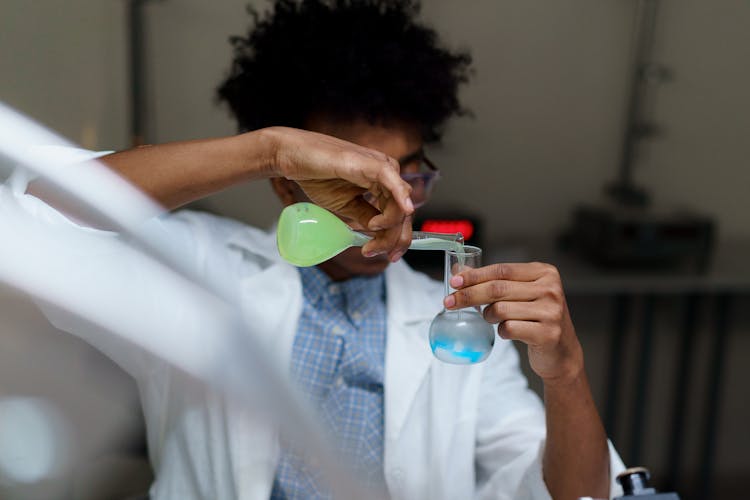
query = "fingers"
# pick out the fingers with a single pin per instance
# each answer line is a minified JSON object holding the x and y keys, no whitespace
{"x":399,"y":189}
{"x":379,"y":174}
{"x":391,"y":216}
{"x":527,"y":300}
{"x":501,"y":311}
{"x":304,"y":155}
{"x":509,"y":272}
{"x":528,"y":332}
{"x":505,"y":282}
{"x":528,"y":303}
{"x":394,"y":235}
{"x":335,"y":173}
{"x":393,"y":241}
{"x":358,"y":210}
{"x":491,"y":291}
{"x":403,"y":242}
{"x":396,"y":239}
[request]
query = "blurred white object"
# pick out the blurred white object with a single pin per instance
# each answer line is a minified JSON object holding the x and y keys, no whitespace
{"x":34,"y":440}
{"x":213,"y":344}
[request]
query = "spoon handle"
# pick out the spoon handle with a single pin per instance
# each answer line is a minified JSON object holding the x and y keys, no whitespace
{"x":359,"y":239}
{"x":420,"y":240}
{"x":436,"y":241}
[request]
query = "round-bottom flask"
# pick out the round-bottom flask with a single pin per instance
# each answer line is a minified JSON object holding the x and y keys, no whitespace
{"x":461,"y":336}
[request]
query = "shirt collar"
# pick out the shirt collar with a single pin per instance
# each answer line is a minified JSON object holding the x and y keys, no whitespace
{"x":361,"y":292}
{"x":315,"y":284}
{"x":256,"y":242}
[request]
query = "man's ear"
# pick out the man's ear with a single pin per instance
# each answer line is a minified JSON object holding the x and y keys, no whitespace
{"x":287,"y":191}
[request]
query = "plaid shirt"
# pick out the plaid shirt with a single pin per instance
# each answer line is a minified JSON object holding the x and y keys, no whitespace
{"x":338,"y":359}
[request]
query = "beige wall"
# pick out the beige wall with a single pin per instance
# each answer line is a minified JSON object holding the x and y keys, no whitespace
{"x":63,"y":63}
{"x":704,"y":158}
{"x":550,"y":97}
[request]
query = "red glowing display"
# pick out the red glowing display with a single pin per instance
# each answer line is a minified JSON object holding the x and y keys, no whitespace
{"x":463,"y":226}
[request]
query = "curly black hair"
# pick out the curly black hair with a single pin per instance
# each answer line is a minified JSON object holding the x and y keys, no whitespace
{"x":344,"y":59}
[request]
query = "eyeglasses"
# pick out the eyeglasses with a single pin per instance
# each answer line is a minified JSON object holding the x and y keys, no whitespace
{"x":422,"y":182}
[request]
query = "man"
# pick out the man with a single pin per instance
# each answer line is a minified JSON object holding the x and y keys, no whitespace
{"x":354,"y":330}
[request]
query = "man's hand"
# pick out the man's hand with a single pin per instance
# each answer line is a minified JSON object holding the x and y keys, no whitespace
{"x":335,"y":174}
{"x":528,"y":302}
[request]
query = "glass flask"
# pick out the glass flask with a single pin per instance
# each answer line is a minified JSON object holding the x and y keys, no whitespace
{"x":461,"y":336}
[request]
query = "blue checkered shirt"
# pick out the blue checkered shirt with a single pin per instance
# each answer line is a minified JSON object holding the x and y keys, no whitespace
{"x":338,"y":360}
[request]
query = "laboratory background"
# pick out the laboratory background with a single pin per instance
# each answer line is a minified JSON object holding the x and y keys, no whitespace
{"x":608,"y":137}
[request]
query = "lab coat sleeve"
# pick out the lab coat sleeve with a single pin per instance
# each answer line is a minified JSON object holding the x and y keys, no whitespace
{"x":92,"y":284}
{"x":511,"y":433}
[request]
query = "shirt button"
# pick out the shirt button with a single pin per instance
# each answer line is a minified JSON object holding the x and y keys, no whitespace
{"x":334,"y":288}
{"x":356,"y":315}
{"x":339,"y":381}
{"x":337,"y":330}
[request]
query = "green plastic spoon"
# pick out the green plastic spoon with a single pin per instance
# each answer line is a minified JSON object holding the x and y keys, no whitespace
{"x":308,"y":235}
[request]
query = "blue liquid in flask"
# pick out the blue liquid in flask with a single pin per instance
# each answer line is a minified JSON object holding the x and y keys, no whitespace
{"x":461,"y":337}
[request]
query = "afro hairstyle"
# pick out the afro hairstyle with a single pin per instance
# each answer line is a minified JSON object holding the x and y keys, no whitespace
{"x":345,"y":60}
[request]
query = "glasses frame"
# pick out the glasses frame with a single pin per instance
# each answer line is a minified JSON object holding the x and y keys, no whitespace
{"x":428,"y":178}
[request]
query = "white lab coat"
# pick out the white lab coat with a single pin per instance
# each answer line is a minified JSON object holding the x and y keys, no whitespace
{"x":451,"y":432}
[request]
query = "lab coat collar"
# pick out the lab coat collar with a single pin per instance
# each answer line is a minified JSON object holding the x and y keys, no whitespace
{"x":405,"y":289}
{"x":261,"y":244}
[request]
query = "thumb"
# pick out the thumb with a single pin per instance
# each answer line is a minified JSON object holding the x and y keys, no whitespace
{"x":359,"y":211}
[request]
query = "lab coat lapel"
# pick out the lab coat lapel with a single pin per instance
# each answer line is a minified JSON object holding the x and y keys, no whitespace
{"x":408,"y":354}
{"x":271,"y":301}
{"x":272,"y":297}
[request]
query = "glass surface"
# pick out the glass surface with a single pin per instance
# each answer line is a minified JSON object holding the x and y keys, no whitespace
{"x":461,"y":336}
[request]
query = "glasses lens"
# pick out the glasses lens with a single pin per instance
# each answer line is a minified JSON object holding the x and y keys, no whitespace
{"x":421,"y":186}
